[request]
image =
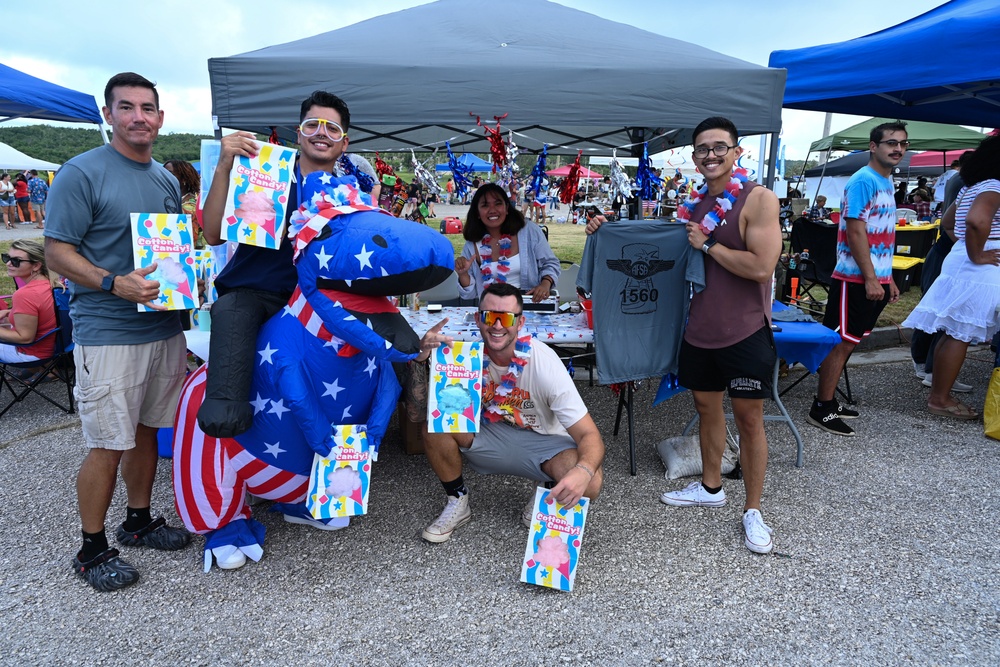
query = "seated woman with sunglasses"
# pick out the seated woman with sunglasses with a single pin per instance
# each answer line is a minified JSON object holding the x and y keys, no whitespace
{"x":500,"y":246}
{"x":32,"y":313}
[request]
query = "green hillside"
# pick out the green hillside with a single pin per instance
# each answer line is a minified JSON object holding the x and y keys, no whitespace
{"x":59,"y":144}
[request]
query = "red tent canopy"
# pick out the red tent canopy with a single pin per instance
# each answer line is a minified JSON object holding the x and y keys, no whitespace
{"x":564,"y":171}
{"x":935,"y":158}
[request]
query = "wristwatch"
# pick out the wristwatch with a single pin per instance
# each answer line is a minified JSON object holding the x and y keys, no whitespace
{"x":709,"y":242}
{"x":108,"y":284}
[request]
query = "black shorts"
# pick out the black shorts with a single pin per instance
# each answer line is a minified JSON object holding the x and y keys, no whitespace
{"x":850,"y":312}
{"x":744,"y":368}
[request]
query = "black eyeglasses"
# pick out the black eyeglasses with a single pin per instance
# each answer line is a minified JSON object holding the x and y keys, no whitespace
{"x":892,"y":143}
{"x":13,"y":261}
{"x":719,"y":150}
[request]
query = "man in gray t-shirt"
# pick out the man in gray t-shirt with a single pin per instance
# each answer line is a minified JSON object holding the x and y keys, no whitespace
{"x":129,"y":365}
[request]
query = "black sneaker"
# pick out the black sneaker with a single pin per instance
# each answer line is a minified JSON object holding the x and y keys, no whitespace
{"x":827,"y":419}
{"x":845,"y":412}
{"x":106,"y":572}
{"x":157,"y":535}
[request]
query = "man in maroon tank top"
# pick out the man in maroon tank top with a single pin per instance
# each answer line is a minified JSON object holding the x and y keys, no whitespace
{"x":728,"y":344}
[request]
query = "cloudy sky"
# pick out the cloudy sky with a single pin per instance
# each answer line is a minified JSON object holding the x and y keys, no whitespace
{"x":80,"y":45}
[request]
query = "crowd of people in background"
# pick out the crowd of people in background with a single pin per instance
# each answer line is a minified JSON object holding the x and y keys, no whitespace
{"x":20,"y":195}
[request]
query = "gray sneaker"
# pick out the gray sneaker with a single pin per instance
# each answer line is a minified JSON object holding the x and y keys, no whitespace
{"x":958,"y":387}
{"x":456,"y":513}
{"x":694,"y":495}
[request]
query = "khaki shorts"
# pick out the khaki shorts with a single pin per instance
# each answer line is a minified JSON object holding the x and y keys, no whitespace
{"x":38,"y":207}
{"x":502,"y":449}
{"x":120,"y":386}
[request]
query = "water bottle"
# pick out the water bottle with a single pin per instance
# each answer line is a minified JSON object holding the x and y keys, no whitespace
{"x":793,"y":262}
{"x":805,"y":255}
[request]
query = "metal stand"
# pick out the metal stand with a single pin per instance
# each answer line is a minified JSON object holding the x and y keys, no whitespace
{"x":627,"y":404}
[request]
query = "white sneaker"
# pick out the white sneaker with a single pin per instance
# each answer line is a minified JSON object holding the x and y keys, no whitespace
{"x":758,"y":534}
{"x":959,"y":387}
{"x":455,"y":514}
{"x":694,"y":495}
{"x":229,"y":557}
{"x":528,"y":513}
{"x":329,"y":524}
{"x":918,"y":370}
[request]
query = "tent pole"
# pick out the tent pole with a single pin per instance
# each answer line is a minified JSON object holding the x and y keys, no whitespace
{"x":772,"y":157}
{"x":104,"y":135}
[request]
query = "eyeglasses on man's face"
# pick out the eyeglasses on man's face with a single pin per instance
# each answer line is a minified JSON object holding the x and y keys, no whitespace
{"x":311,"y":126}
{"x":893,"y":143}
{"x":491,"y":317}
{"x":718,"y":150}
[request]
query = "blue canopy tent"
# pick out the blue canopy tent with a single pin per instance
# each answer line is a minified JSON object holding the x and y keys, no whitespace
{"x":468,"y":159}
{"x":884,"y":74}
{"x":25,"y":96}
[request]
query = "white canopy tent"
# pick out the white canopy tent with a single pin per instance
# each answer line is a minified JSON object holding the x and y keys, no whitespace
{"x":11,"y":158}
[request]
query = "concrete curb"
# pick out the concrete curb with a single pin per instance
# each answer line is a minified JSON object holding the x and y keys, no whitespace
{"x":886,"y":337}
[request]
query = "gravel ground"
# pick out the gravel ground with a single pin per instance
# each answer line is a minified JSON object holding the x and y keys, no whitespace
{"x":886,"y":555}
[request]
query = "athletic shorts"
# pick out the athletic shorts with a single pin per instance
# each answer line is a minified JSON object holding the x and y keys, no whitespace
{"x":745,"y":368}
{"x":850,"y":312}
{"x":120,"y":386}
{"x":502,"y":449}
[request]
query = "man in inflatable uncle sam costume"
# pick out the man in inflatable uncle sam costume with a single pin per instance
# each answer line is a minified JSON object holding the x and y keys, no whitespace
{"x":326,"y":360}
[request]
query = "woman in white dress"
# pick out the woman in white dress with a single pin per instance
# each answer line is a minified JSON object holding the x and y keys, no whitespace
{"x":963,"y":301}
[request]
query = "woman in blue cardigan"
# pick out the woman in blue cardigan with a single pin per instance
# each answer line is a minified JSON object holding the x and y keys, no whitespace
{"x":501,"y":246}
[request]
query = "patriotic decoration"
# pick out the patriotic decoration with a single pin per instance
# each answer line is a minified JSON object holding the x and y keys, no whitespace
{"x":498,"y":152}
{"x":572,"y":181}
{"x":646,"y":179}
{"x":620,"y":187}
{"x":508,"y":174}
{"x":538,"y":177}
{"x":460,"y":172}
{"x":326,"y":360}
{"x":724,"y":202}
{"x":423,"y":176}
{"x":522,"y":355}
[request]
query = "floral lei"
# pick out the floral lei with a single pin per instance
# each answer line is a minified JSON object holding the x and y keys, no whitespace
{"x":503,"y":264}
{"x":522,"y":354}
{"x":724,"y":203}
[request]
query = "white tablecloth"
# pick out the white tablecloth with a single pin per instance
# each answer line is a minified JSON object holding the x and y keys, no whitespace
{"x":561,"y":328}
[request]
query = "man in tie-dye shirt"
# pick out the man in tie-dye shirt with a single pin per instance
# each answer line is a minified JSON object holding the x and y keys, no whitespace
{"x":862,"y":281}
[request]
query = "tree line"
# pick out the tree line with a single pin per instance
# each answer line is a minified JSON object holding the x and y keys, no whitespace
{"x":59,"y":144}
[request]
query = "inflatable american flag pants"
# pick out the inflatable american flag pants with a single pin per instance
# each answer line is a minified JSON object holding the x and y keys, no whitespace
{"x":212,"y":477}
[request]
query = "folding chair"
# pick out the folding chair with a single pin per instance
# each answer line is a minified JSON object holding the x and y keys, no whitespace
{"x":566,"y":286}
{"x":821,"y":242}
{"x":445,"y":294}
{"x":59,"y":365}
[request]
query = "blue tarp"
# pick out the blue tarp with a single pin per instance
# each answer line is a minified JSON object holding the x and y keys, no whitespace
{"x":942,"y":66}
{"x":24,"y":96}
{"x":477,"y":163}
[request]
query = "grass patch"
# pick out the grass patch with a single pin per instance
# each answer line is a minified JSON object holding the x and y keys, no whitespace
{"x":565,"y":240}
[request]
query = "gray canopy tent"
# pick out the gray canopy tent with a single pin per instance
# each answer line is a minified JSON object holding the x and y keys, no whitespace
{"x":491,"y":59}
